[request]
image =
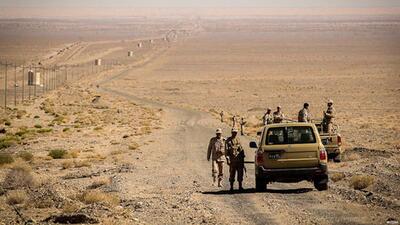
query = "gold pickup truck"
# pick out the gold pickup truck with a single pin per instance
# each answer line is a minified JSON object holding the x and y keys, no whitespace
{"x":331,"y":141}
{"x":290,"y":152}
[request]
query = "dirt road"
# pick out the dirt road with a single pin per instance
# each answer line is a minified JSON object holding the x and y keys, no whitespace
{"x":172,"y":181}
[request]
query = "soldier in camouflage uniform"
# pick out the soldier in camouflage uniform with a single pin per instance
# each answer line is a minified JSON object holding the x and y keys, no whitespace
{"x":234,"y":153}
{"x":216,"y":150}
{"x":304,"y":114}
{"x":278,"y":115}
{"x":329,"y":116}
{"x":268,"y":118}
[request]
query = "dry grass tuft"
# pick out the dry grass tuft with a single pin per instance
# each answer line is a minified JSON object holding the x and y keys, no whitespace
{"x":16,"y":197}
{"x":19,"y":176}
{"x":74,"y":153}
{"x":67,"y":164}
{"x":82,"y":163}
{"x":96,"y":196}
{"x":6,"y":158}
{"x":58,"y":153}
{"x":99,"y":182}
{"x":27,"y":156}
{"x":70,"y":207}
{"x":352,"y":156}
{"x":359,"y":182}
{"x":133,"y":146}
{"x":335,"y":177}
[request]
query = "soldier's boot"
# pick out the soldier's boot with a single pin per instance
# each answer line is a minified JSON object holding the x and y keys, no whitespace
{"x":219,"y":182}
{"x":214,"y":180}
{"x":241,"y":187}
{"x":231,"y":189}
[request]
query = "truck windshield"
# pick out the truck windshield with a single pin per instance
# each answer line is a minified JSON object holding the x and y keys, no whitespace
{"x":290,"y":135}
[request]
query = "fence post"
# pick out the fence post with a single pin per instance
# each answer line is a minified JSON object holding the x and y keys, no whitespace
{"x":15,"y":85}
{"x":5,"y":88}
{"x":44,"y":80}
{"x":23,"y":82}
{"x":34,"y":79}
{"x":29,"y":86}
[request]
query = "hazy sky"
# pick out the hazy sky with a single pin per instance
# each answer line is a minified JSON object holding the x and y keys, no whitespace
{"x":202,"y":3}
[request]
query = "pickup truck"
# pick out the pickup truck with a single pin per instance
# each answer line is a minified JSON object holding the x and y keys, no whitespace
{"x":290,"y":152}
{"x":332,"y":141}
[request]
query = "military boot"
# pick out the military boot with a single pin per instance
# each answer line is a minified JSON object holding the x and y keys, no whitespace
{"x":231,"y":189}
{"x":219,"y":182}
{"x":241,"y":187}
{"x":214,"y":180}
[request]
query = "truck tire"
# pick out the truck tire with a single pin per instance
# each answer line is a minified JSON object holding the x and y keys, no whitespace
{"x":261,"y":184}
{"x":337,"y":158}
{"x":321,"y":186}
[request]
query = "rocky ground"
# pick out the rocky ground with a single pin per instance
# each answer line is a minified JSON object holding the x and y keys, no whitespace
{"x":128,"y":145}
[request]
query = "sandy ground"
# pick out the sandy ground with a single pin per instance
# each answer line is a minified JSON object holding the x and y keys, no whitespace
{"x":137,"y":155}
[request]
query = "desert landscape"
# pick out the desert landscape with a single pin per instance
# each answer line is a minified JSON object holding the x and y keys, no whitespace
{"x":126,"y":144}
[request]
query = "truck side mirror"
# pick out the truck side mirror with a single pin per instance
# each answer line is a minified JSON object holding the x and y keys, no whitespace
{"x":253,"y":144}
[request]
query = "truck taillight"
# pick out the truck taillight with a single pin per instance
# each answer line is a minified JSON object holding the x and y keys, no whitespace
{"x":322,"y":154}
{"x":260,"y":157}
{"x":339,"y":140}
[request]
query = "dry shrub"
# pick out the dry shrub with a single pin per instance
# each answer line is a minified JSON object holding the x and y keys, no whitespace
{"x":82,"y":163}
{"x":19,"y":176}
{"x":27,"y":156}
{"x":16,"y":197}
{"x":96,"y":196}
{"x":359,"y":182}
{"x":67,"y":164}
{"x":58,"y":153}
{"x":335,"y":177}
{"x":6,"y":158}
{"x":100,"y":182}
{"x":353,"y":156}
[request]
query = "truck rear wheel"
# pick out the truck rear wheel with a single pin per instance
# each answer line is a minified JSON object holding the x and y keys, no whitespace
{"x":261,"y":184}
{"x":321,"y":186}
{"x":337,"y":158}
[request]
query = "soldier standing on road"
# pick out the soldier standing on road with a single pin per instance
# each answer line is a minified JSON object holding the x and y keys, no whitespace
{"x":304,"y":114}
{"x":329,"y":116}
{"x":216,"y":150}
{"x":233,"y":121}
{"x":222,"y":116}
{"x":234,"y":153}
{"x":242,"y":123}
{"x":278,"y":115}
{"x":268,"y":118}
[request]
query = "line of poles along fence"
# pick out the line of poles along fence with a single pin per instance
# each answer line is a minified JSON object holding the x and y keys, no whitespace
{"x":19,"y":83}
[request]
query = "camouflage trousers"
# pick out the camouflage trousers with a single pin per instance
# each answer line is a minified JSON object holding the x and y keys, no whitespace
{"x":236,"y":167}
{"x":217,"y":168}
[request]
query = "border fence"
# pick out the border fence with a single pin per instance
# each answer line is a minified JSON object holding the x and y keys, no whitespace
{"x":20,"y":83}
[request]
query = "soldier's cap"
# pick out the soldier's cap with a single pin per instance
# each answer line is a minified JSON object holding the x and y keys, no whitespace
{"x":218,"y":131}
{"x":279,"y":106}
{"x":268,"y":109}
{"x":306,"y":104}
{"x":234,"y":130}
{"x":330,"y":101}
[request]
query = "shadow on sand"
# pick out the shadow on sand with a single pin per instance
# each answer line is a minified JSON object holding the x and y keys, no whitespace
{"x":252,"y":190}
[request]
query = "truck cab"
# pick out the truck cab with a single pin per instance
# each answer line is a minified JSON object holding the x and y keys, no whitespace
{"x":290,"y":152}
